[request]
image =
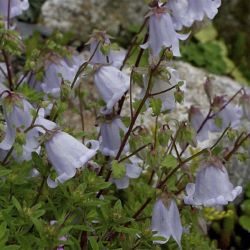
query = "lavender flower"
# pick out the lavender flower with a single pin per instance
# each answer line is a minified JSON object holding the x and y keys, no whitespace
{"x":162,"y":33}
{"x":101,"y":52}
{"x":179,"y":13}
{"x":16,"y":7}
{"x":167,"y":98}
{"x":196,"y":119}
{"x":111,"y":84}
{"x":226,"y":115}
{"x":166,"y":221}
{"x":66,"y":155}
{"x":198,"y":9}
{"x":57,"y":70}
{"x":17,"y":114}
{"x":110,"y":140}
{"x":133,"y":171}
{"x":212,"y":187}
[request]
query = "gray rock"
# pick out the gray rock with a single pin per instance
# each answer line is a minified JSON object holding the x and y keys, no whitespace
{"x":82,"y":16}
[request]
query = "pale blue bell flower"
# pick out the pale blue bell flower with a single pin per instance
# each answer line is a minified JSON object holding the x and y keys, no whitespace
{"x":162,"y":33}
{"x":197,"y":10}
{"x":111,"y":84}
{"x":67,"y":154}
{"x":110,"y":140}
{"x":133,"y":171}
{"x":211,"y":188}
{"x":166,"y":222}
{"x":196,"y":119}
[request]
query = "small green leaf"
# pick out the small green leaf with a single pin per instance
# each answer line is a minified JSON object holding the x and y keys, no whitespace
{"x":156,"y":105}
{"x":245,"y":222}
{"x":119,"y":170}
{"x":245,"y":206}
{"x":169,"y":162}
{"x":93,"y":242}
{"x":179,"y":95}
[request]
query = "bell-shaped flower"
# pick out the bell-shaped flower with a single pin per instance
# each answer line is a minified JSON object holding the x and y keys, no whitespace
{"x":225,"y":115}
{"x":58,"y":71}
{"x":16,"y":7}
{"x":18,"y":117}
{"x":212,"y":187}
{"x":162,"y":33}
{"x":198,"y":9}
{"x":101,"y":50}
{"x":196,"y":119}
{"x":110,"y":140}
{"x":17,"y":114}
{"x":111,"y":84}
{"x":167,"y":98}
{"x":166,"y":221}
{"x":178,"y":13}
{"x":67,"y":154}
{"x":161,"y":86}
{"x":133,"y":171}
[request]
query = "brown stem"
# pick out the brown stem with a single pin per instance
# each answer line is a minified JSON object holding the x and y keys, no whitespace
{"x":8,"y":67}
{"x":83,"y":66}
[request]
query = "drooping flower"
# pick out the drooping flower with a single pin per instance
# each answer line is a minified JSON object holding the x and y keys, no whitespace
{"x":161,"y":86}
{"x":226,"y":115}
{"x":133,"y":171}
{"x":111,"y":84}
{"x":110,"y":140}
{"x":162,"y":33}
{"x":198,"y":9}
{"x":17,"y":114}
{"x":101,"y":50}
{"x":196,"y":119}
{"x":66,"y":155}
{"x":16,"y":7}
{"x":212,"y":187}
{"x":57,"y":71}
{"x":166,"y":221}
{"x":179,"y":13}
{"x":18,"y":117}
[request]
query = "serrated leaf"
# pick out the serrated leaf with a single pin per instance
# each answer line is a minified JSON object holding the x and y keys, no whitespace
{"x":119,"y":170}
{"x":156,"y":105}
{"x":169,"y":162}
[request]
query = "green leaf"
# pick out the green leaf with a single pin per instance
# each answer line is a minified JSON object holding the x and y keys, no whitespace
{"x":4,"y":172}
{"x":245,"y":222}
{"x":93,"y":242}
{"x":3,"y":230}
{"x":179,"y":96}
{"x":119,"y":170}
{"x":169,"y":162}
{"x":218,"y":122}
{"x":17,"y":205}
{"x":156,"y":105}
{"x":245,"y":206}
{"x":127,"y":230}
